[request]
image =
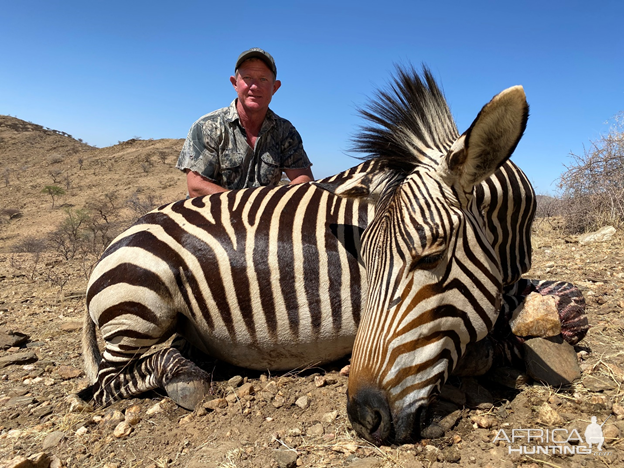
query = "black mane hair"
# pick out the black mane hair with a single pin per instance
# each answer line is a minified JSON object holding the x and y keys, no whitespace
{"x":407,"y":120}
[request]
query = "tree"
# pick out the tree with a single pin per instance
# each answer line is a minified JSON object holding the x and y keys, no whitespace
{"x":593,"y":185}
{"x":54,"y":191}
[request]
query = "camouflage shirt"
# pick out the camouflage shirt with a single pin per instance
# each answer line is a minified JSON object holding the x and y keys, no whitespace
{"x":216,"y":147}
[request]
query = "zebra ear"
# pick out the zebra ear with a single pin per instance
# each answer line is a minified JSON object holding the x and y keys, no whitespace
{"x":490,"y":140}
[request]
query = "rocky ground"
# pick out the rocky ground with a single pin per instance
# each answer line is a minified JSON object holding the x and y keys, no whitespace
{"x":296,"y":418}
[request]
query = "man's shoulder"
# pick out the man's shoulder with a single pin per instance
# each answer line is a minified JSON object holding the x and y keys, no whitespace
{"x":279,"y":122}
{"x":225,"y":114}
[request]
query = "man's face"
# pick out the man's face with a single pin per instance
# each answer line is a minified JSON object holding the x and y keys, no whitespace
{"x":255,"y":85}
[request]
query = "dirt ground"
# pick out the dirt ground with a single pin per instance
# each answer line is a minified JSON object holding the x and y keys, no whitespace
{"x":285,"y":419}
{"x":265,"y":421}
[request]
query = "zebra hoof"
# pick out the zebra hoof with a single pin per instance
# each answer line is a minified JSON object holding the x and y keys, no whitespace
{"x":187,"y":393}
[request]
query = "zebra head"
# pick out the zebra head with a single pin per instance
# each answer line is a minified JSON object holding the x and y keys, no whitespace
{"x":434,"y":281}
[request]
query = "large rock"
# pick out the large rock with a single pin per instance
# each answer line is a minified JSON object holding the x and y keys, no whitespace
{"x":18,"y":358}
{"x":551,"y":360}
{"x":602,"y":235}
{"x":536,"y":316}
{"x":12,"y":339}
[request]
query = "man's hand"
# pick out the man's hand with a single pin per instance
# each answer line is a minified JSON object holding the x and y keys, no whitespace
{"x":299,"y":176}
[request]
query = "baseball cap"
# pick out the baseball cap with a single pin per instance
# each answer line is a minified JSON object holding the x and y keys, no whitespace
{"x":256,"y":52}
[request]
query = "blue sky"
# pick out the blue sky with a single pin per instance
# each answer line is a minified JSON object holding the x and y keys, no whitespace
{"x":109,"y":71}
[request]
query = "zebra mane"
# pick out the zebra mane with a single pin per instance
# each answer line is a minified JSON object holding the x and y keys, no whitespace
{"x":411,"y":122}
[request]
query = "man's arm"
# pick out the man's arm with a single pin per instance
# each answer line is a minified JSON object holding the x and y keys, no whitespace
{"x":198,"y":185}
{"x":299,"y":176}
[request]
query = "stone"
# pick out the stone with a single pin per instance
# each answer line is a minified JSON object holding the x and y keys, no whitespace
{"x":216,"y":403}
{"x":186,"y":419}
{"x":611,"y":433}
{"x":156,"y":409}
{"x":76,"y":405}
{"x":278,"y":401}
{"x":113,"y":417}
{"x":53,"y":439}
{"x":315,"y":431}
{"x":123,"y":429}
{"x":329,"y":417}
{"x":484,"y":421}
{"x":548,"y":416}
{"x":303,"y":402}
{"x":40,"y":460}
{"x":19,"y":401}
{"x":602,"y":235}
{"x":271,"y":387}
{"x":431,"y":453}
{"x":618,"y":409}
{"x":12,"y":339}
{"x":451,"y":454}
{"x":19,"y":462}
{"x":81,"y":431}
{"x":596,"y":383}
{"x":55,"y":462}
{"x":536,"y":316}
{"x":17,"y":359}
{"x":71,"y":326}
{"x":235,"y":381}
{"x":319,"y":381}
{"x":551,"y":360}
{"x":245,"y":389}
{"x":133,"y":415}
{"x":345,"y":370}
{"x":285,"y":458}
{"x":68,"y":372}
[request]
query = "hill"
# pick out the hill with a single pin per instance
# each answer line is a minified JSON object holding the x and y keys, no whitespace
{"x":131,"y":172}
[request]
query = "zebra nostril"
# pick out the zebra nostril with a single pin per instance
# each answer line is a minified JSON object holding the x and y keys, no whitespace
{"x":370,"y":415}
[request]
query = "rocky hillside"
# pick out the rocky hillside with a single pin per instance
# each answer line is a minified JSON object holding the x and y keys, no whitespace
{"x":120,"y":177}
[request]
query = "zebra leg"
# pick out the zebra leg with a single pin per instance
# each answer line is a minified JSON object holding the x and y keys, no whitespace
{"x":184,"y":382}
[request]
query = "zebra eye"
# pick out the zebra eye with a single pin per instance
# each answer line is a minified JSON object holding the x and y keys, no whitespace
{"x":426,"y":262}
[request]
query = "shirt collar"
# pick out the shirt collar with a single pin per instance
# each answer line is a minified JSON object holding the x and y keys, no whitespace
{"x":232,"y":116}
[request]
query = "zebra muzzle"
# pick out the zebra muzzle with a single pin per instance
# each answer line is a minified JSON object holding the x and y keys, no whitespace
{"x":370,"y":416}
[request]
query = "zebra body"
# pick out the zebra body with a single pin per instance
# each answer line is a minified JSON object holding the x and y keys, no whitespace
{"x":266,"y":278}
{"x":278,"y":278}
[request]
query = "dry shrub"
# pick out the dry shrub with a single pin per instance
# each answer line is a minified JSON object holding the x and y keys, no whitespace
{"x":593,"y":185}
{"x":141,"y":206}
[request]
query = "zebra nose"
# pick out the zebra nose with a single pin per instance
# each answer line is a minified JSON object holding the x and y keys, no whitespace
{"x":369,"y":413}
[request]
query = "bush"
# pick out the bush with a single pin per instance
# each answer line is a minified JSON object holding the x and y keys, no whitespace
{"x":54,"y":191}
{"x":593,"y":185}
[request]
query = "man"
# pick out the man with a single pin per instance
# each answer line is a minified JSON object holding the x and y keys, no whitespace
{"x":245,"y":144}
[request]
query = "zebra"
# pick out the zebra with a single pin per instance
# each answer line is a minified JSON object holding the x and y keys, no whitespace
{"x":440,"y":250}
{"x":278,"y":277}
{"x":266,"y":278}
